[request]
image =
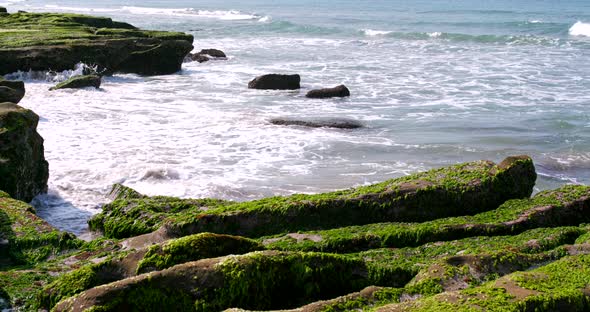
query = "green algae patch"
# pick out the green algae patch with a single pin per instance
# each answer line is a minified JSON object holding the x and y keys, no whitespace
{"x":194,"y":247}
{"x":568,"y":205}
{"x":462,"y":189}
{"x":558,"y":286}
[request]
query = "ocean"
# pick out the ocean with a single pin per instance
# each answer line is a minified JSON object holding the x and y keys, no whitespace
{"x":433,"y":82}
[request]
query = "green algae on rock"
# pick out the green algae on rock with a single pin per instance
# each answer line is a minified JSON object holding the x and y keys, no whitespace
{"x":462,"y":189}
{"x":59,"y":41}
{"x":78,"y":82}
{"x":23,"y":167}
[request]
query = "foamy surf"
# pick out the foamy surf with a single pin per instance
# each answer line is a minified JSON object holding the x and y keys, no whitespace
{"x":375,"y":33}
{"x":216,"y":14}
{"x":580,"y":29}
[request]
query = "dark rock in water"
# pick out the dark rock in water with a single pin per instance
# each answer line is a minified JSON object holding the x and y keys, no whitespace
{"x":276,"y":82}
{"x":11,"y":91}
{"x":78,"y":82}
{"x":339,"y":91}
{"x":200,"y":58}
{"x":206,"y":55}
{"x":44,"y":44}
{"x":23,"y":169}
{"x":340,"y":123}
{"x":212,"y":52}
{"x":3,"y":10}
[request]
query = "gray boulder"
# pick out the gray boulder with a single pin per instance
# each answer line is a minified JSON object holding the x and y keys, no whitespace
{"x":276,"y":82}
{"x":338,"y":91}
{"x":23,"y":168}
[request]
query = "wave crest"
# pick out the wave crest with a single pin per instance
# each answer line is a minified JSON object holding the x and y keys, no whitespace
{"x":580,"y":29}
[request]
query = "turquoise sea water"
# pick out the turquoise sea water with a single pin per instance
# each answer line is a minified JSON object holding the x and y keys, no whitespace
{"x":434,"y":82}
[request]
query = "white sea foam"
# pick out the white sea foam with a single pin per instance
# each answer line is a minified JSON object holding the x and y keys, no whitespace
{"x":580,"y":29}
{"x":535,"y":21}
{"x":374,"y":33}
{"x":435,"y":34}
{"x":265,"y":19}
{"x":217,"y":14}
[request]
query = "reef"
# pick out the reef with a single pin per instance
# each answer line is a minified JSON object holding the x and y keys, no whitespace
{"x":459,"y":238}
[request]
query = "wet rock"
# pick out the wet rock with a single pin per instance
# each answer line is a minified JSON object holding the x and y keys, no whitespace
{"x":213,"y":53}
{"x":23,"y":167}
{"x":79,"y":82}
{"x":11,"y":91}
{"x":339,"y":123}
{"x":206,"y":55}
{"x":276,"y":82}
{"x":116,"y":46}
{"x":338,"y":91}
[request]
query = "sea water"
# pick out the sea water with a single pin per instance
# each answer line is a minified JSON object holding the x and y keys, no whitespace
{"x":434,"y":83}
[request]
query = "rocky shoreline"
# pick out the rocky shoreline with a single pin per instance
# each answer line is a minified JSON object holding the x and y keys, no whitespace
{"x":463,"y":237}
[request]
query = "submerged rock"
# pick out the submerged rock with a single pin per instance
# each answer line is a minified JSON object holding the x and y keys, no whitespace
{"x":338,"y":91}
{"x":206,"y":55}
{"x":339,"y":123}
{"x":276,"y":82}
{"x":23,"y":168}
{"x":78,"y":82}
{"x":53,"y":41}
{"x":212,"y":53}
{"x":11,"y":91}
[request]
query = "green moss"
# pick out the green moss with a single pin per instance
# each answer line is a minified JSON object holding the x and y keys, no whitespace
{"x":194,"y":247}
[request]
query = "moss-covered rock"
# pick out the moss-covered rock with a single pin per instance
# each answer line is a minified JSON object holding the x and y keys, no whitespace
{"x":78,"y":82}
{"x":559,"y":286}
{"x":27,"y":239}
{"x":157,"y":257}
{"x":259,"y":280}
{"x":23,"y":167}
{"x":457,"y":190}
{"x":44,"y":41}
{"x":568,"y":205}
{"x":194,"y":247}
{"x":11,"y":91}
